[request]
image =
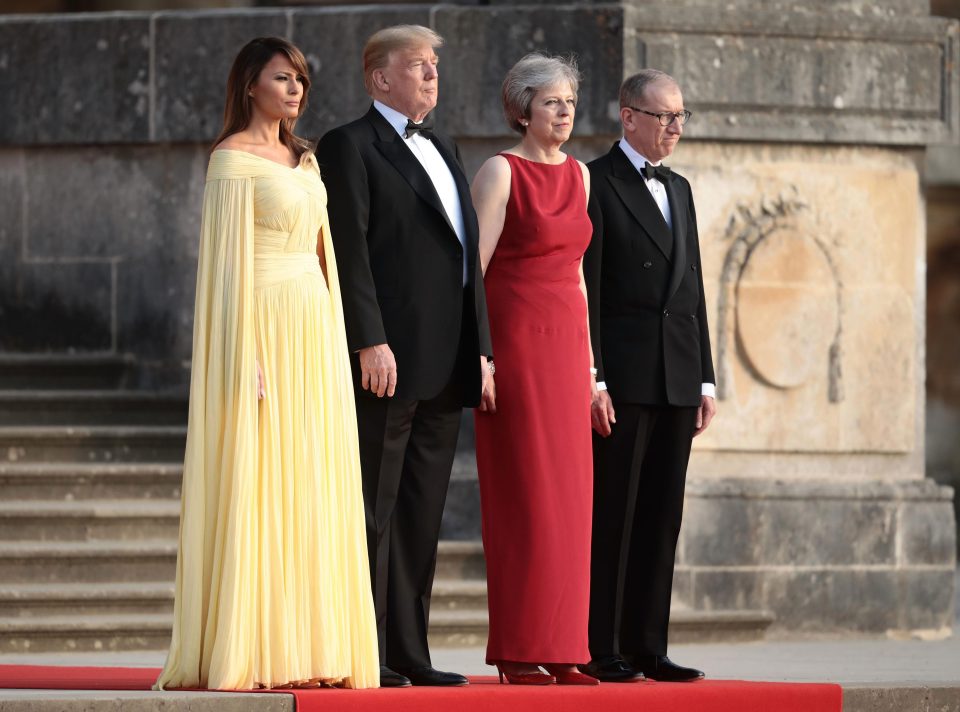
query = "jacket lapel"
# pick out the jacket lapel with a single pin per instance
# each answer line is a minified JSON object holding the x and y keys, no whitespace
{"x":391,"y":145}
{"x":679,"y":218}
{"x":633,"y":192}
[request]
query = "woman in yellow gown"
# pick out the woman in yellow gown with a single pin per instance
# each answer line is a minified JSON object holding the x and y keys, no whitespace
{"x":273,"y":584}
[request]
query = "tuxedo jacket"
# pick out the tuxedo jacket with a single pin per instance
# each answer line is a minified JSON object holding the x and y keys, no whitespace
{"x":645,"y":286}
{"x":400,"y":261}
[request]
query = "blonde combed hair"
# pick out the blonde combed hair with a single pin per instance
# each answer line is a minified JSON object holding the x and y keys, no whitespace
{"x":376,"y":52}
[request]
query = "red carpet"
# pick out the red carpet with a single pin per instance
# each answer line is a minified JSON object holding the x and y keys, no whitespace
{"x":483,"y":695}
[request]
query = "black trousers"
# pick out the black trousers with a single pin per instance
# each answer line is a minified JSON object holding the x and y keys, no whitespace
{"x":639,"y":477}
{"x":406,"y":455}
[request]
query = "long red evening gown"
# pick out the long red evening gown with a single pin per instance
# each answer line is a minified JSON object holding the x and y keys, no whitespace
{"x":534,"y":454}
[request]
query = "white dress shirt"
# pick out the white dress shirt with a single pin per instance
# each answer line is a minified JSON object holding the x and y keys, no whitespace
{"x":654,"y":185}
{"x":438,"y":171}
{"x":659,"y":193}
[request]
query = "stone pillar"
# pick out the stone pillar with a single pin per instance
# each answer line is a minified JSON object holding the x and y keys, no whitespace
{"x":807,"y":496}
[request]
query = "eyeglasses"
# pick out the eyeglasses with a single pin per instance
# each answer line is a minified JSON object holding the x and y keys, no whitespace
{"x":666,"y":118}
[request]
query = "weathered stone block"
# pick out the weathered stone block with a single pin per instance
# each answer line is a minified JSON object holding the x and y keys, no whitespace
{"x":683,"y":586}
{"x":333,"y":39}
{"x":11,"y":210}
{"x":134,"y":201}
{"x":927,"y":599}
{"x":812,"y":294}
{"x":476,"y":62}
{"x":894,"y":697}
{"x":876,"y":9}
{"x":720,"y":531}
{"x":74,"y":79}
{"x":461,"y":514}
{"x":155,"y":306}
{"x":849,"y":79}
{"x":928,"y":533}
{"x":838,"y":600}
{"x":777,"y":532}
{"x":194,"y":52}
{"x":714,"y":590}
{"x":857,"y":77}
{"x":57,"y":307}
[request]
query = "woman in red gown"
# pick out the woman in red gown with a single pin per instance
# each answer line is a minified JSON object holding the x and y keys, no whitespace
{"x":533,"y":436}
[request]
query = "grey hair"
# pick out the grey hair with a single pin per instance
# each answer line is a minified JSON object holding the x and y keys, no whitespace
{"x":634,"y":86}
{"x":534,"y":72}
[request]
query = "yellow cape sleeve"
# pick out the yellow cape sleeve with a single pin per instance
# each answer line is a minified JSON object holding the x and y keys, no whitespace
{"x":221,"y":454}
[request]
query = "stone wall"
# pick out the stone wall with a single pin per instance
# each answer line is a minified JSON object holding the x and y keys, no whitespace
{"x":805,"y":154}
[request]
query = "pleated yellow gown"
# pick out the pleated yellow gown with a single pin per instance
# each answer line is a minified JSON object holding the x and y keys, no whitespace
{"x":273,"y":584}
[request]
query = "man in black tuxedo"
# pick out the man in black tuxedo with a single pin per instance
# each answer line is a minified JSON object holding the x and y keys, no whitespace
{"x":652,"y":352}
{"x":405,"y":235}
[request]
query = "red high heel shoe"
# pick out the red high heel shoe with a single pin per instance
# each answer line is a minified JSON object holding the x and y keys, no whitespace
{"x":526,"y":678}
{"x":571,"y":677}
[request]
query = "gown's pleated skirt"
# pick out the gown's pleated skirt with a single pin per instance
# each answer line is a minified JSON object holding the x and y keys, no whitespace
{"x":312,"y":563}
{"x":273,"y":584}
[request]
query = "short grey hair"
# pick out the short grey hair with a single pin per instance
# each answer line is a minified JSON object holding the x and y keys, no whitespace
{"x":633,"y":87}
{"x":534,"y":72}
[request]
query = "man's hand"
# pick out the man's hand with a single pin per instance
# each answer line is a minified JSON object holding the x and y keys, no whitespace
{"x":378,"y":370}
{"x":705,"y":413}
{"x":488,"y":395}
{"x":602,"y":415}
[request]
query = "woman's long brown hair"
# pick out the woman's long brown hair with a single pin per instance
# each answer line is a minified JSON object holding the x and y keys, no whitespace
{"x":243,"y":75}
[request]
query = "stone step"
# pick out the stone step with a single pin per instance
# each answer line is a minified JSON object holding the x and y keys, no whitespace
{"x":137,"y":701}
{"x":87,"y":562}
{"x":459,"y":595}
{"x":30,"y":600}
{"x":66,"y":633}
{"x":102,"y":561}
{"x":458,"y":629}
{"x":59,"y":481}
{"x":461,"y":560}
{"x":151,"y":631}
{"x":58,"y":371}
{"x":104,"y":443}
{"x":724,"y":626}
{"x":91,"y":407}
{"x":467,"y":627}
{"x":82,"y":599}
{"x":87,"y":520}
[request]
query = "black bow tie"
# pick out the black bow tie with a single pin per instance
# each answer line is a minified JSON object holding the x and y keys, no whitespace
{"x":425,"y":128}
{"x":661,"y":173}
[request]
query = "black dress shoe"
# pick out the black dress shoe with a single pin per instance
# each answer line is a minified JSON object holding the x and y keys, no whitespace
{"x":611,"y":668}
{"x":660,"y":667}
{"x":389,"y":678}
{"x":427,"y":676}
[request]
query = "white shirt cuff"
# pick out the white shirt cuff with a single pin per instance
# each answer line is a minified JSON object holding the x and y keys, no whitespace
{"x":706,"y":389}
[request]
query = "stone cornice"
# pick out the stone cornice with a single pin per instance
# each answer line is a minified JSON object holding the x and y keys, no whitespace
{"x":882,"y":73}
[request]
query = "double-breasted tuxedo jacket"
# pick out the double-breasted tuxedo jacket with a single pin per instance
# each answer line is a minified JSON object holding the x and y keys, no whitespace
{"x":651,"y":344}
{"x":652,"y":348}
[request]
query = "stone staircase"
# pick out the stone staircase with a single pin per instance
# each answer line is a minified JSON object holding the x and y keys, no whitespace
{"x":90,"y":480}
{"x":89,"y":512}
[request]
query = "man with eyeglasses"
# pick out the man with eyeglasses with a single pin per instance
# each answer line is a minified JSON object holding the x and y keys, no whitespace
{"x":655,"y":380}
